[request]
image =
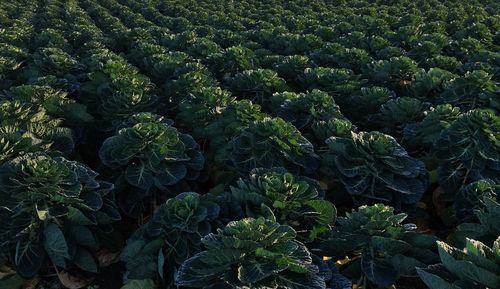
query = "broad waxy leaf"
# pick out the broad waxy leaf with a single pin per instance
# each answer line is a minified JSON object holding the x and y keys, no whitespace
{"x":294,"y":201}
{"x":372,"y":165}
{"x":271,"y":258}
{"x":66,"y":219}
{"x":172,"y":235}
{"x":388,"y":249}
{"x":149,"y":154}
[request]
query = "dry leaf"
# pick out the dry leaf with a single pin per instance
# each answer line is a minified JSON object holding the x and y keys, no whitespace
{"x":105,"y":257}
{"x":72,"y":281}
{"x":32,"y":283}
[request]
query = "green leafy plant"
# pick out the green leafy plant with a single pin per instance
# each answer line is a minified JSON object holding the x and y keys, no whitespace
{"x":116,"y":90}
{"x":291,"y":200}
{"x":475,"y":89}
{"x":306,"y":110}
{"x":256,"y":85}
{"x":471,"y":197}
{"x":338,"y":82}
{"x":272,"y":142}
{"x":231,"y":60}
{"x":290,"y":67}
{"x":233,"y":119}
{"x":53,"y":211}
{"x":370,"y":98}
{"x":475,"y":266}
{"x":24,"y":122}
{"x":52,"y":61}
{"x":395,"y":114}
{"x":251,"y":253}
{"x":484,"y":227}
{"x":170,"y":237}
{"x":428,"y":85}
{"x":423,"y":134}
{"x":14,"y":141}
{"x":149,"y":155}
{"x":202,"y":108}
{"x":380,"y":247}
{"x":336,"y":127}
{"x":57,"y":103}
{"x":373,"y":166}
{"x":335,"y":54}
{"x":188,"y":79}
{"x":468,"y":151}
{"x":391,"y":72}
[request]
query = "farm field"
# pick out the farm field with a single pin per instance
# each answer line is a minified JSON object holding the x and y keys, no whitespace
{"x":218,"y":144}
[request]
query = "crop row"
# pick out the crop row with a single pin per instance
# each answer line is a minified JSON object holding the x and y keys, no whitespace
{"x":212,"y":144}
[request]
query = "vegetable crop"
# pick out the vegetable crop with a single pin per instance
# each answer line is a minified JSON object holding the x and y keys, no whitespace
{"x":249,"y":144}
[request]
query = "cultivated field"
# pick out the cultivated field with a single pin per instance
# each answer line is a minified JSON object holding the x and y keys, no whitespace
{"x":218,"y":144}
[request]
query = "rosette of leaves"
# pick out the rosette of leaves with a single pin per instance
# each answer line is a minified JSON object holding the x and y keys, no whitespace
{"x":52,"y":61}
{"x":430,"y":84}
{"x":56,"y":103}
{"x":144,"y":49}
{"x":464,"y":48}
{"x":471,"y":198}
{"x":149,"y":156}
{"x":423,"y":50}
{"x":396,"y":113}
{"x":11,"y":59}
{"x":272,"y":142}
{"x":475,"y":89}
{"x":227,"y":38}
{"x":116,"y":91}
{"x":444,"y":62}
{"x":33,"y":122}
{"x":231,"y":60}
{"x":49,"y":37}
{"x":478,"y":31}
{"x":339,"y":82}
{"x":392,"y":72}
{"x":484,"y":60}
{"x":389,"y":52}
{"x":468,"y":151}
{"x":61,"y":84}
{"x":484,"y":226}
{"x":424,"y":133}
{"x":290,"y":67}
{"x":180,"y":40}
{"x":195,"y":78}
{"x":266,"y":58}
{"x":307,"y":110}
{"x":337,"y":127}
{"x":53,"y":211}
{"x":379,"y":245}
{"x":294,"y":44}
{"x":370,"y":98}
{"x":157,"y":62}
{"x":15,"y":142}
{"x":475,"y":266}
{"x":158,"y":248}
{"x":373,"y":166}
{"x":203,"y":47}
{"x":256,"y":85}
{"x":231,"y":121}
{"x":251,"y":253}
{"x":201,"y":108}
{"x":337,"y":55}
{"x":290,"y":200}
{"x":273,"y":104}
